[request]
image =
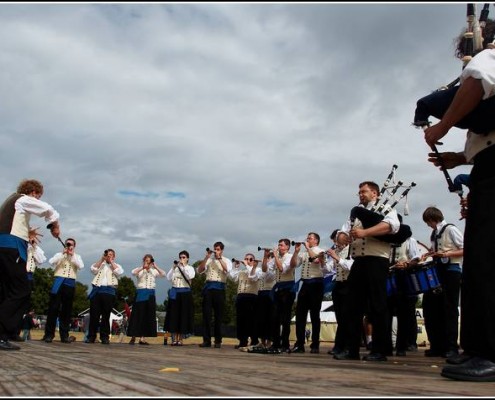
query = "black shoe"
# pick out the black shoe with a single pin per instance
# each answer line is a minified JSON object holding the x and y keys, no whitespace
{"x":412,"y":347}
{"x":476,"y":369}
{"x":345,"y":355}
{"x":273,"y":350}
{"x":49,"y":339}
{"x":105,"y":341}
{"x":374,"y":357}
{"x":369,"y":345}
{"x":297,"y":349}
{"x":65,"y":340}
{"x":450,"y":354}
{"x":89,"y":341}
{"x":433,"y":353}
{"x":218,"y":345}
{"x":6,"y":345}
{"x":285,"y":350}
{"x":258,"y":349}
{"x":132,"y":341}
{"x":458,"y":359}
{"x":314,"y":351}
{"x":400,"y":353}
{"x":204,"y":344}
{"x":16,"y":338}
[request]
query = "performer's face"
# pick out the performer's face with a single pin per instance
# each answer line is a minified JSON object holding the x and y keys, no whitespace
{"x":366,"y":194}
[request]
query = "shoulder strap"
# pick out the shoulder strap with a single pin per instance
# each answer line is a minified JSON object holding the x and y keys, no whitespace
{"x":434,"y":238}
{"x":182,"y":273}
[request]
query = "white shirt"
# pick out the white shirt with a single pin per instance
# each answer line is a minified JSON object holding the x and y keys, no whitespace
{"x":482,"y":67}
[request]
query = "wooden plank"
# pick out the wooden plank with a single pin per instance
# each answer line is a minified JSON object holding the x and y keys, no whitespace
{"x":121,"y":370}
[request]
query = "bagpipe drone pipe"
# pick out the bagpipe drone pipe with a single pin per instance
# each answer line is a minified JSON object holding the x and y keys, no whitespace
{"x":481,"y":119}
{"x":373,"y":216}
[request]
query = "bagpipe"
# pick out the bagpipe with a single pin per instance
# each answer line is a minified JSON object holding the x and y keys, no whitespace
{"x":480,"y":120}
{"x":373,"y":216}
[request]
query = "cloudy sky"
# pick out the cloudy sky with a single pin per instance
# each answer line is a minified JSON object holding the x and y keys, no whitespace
{"x":168,"y":126}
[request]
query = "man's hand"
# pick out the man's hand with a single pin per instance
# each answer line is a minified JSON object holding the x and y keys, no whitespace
{"x":447,"y":160}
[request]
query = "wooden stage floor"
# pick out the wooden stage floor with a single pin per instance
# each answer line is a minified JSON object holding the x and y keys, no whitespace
{"x":120,"y":370}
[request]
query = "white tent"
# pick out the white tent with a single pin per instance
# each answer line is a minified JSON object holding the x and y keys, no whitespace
{"x":328,"y":325}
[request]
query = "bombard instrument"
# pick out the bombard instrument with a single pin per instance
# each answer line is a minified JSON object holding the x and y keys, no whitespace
{"x":61,"y":241}
{"x":241,"y":261}
{"x":293,"y":243}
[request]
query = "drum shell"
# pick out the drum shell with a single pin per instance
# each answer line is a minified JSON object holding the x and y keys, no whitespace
{"x":421,"y":278}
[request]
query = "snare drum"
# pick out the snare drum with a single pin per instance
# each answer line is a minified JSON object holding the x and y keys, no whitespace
{"x":422,"y":278}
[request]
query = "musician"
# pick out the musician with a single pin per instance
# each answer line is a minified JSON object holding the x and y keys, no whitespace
{"x":179,"y":319}
{"x":440,"y":308}
{"x":368,"y":276}
{"x":15,"y":234}
{"x":338,"y":262}
{"x":247,"y":291}
{"x":310,"y":296}
{"x":142,"y":321}
{"x":102,"y":295}
{"x":216,"y":267}
{"x":66,"y":265}
{"x":284,"y":293}
{"x":403,"y":258}
{"x":264,"y":314}
{"x":477,"y":363}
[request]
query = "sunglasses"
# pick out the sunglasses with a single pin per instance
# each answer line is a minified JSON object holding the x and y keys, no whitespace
{"x":182,"y":257}
{"x":249,"y":259}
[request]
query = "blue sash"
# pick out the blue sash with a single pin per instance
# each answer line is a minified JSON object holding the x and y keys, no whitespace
{"x":172,"y":293}
{"x":30,"y":276}
{"x":102,"y":289}
{"x":144,"y":295}
{"x":13,"y":242}
{"x":213,"y":285}
{"x":328,"y":283}
{"x":59,"y":281}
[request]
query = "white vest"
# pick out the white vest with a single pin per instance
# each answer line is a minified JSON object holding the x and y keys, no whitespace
{"x":369,"y":246}
{"x":105,"y":270}
{"x":215,"y":272}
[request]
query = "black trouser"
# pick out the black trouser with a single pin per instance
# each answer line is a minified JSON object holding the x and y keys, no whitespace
{"x":213,"y":299}
{"x":60,"y":306}
{"x":16,"y":292}
{"x":478,"y":271}
{"x":404,"y":308}
{"x":368,"y":291}
{"x":245,"y":319}
{"x":264,"y":315}
{"x":100,"y":305}
{"x":441,"y":312}
{"x":309,"y":299}
{"x":284,"y":300}
{"x":340,"y":294}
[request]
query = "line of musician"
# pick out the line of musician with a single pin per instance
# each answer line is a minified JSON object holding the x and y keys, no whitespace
{"x":267,"y":289}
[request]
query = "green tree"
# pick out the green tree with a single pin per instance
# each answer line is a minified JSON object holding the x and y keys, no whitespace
{"x":126,"y":289}
{"x":40,"y":297}
{"x":81,"y":301}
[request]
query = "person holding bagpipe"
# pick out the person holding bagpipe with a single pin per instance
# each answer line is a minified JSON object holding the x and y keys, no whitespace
{"x":368,"y":277}
{"x":477,"y":332}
